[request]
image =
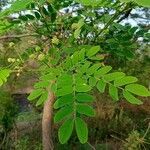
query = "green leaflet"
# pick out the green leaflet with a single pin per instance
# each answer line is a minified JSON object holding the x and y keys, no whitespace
{"x":131,"y":99}
{"x":1,"y":82}
{"x":101,"y":85}
{"x":64,"y":100}
{"x":35,"y":94}
{"x":82,"y":54}
{"x":81,"y":129}
{"x":4,"y":74}
{"x":63,"y":113}
{"x":97,"y":57}
{"x":113,"y":76}
{"x":90,"y":3}
{"x":94,"y":50}
{"x":68,"y":63}
{"x":125,"y":80}
{"x":84,"y":97}
{"x":42,"y":98}
{"x":41,"y":2}
{"x":113,"y":92}
{"x":82,"y":88}
{"x":85,"y":110}
{"x":85,"y":67}
{"x":42,"y":84}
{"x":126,"y":1}
{"x":48,"y":77}
{"x":92,"y":81}
{"x":79,"y":79}
{"x":77,"y":33}
{"x":64,"y":90}
{"x":64,"y":80}
{"x":75,"y":58}
{"x":65,"y":131}
{"x":78,"y":27}
{"x":137,"y":89}
{"x":145,"y":3}
{"x":93,"y":69}
{"x":102,"y":71}
{"x":80,"y":23}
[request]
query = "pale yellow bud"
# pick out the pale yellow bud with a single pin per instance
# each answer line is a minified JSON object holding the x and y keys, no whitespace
{"x":37,"y":48}
{"x":41,"y":57}
{"x":18,"y":74}
{"x":11,"y":44}
{"x":13,"y":60}
{"x":32,"y":56}
{"x":9,"y":60}
{"x":18,"y":60}
{"x":55,"y":40}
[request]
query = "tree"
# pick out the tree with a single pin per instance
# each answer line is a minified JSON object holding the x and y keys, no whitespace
{"x":2,"y":3}
{"x":71,"y":55}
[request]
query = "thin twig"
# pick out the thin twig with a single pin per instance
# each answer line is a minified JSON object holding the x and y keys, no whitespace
{"x":114,"y":17}
{"x":146,"y":131}
{"x":91,"y":146}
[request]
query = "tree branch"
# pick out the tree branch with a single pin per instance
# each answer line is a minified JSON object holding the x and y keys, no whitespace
{"x":114,"y":17}
{"x":126,"y":15}
{"x":17,"y":36}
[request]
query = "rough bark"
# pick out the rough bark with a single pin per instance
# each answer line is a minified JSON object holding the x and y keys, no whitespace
{"x":47,"y":122}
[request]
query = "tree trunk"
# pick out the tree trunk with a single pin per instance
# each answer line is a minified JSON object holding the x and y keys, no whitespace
{"x":47,"y":122}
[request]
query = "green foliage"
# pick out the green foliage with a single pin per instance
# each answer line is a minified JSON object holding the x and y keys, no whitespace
{"x":72,"y":75}
{"x":4,"y":74}
{"x":130,"y":98}
{"x":113,"y":92}
{"x":28,"y":142}
{"x":64,"y":100}
{"x":133,"y":141}
{"x":125,"y":80}
{"x":8,"y":110}
{"x":42,"y":87}
{"x":82,"y":130}
{"x":94,"y":3}
{"x":138,"y":89}
{"x":145,"y":3}
{"x":84,"y":97}
{"x":4,"y":26}
{"x":73,"y":87}
{"x":63,"y":113}
{"x":65,"y":131}
{"x":16,"y":6}
{"x":101,"y":86}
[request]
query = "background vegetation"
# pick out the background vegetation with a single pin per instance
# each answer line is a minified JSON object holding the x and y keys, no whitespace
{"x":39,"y":38}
